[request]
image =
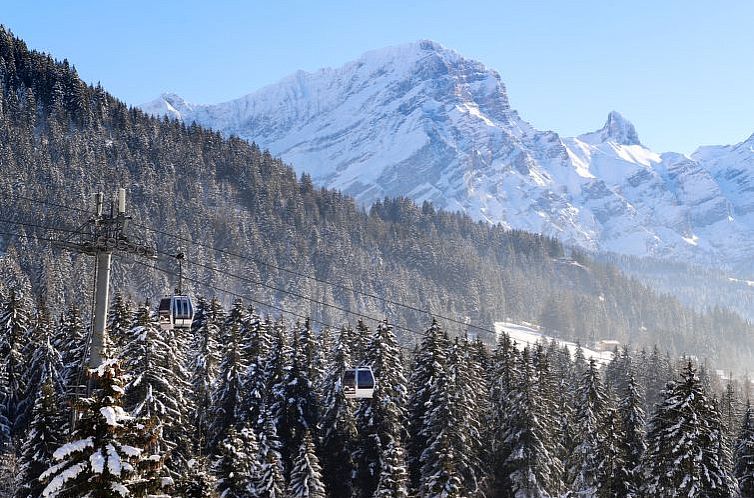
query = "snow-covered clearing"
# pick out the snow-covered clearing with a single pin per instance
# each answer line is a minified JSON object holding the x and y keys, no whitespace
{"x":529,"y":334}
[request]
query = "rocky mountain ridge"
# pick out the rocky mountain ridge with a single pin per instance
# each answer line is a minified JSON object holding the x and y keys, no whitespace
{"x":422,"y":121}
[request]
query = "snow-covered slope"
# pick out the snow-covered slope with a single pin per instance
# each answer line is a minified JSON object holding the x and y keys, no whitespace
{"x":422,"y":121}
{"x":527,"y":334}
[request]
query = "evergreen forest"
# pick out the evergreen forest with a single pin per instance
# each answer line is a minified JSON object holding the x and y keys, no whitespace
{"x":249,"y":400}
{"x":245,"y":406}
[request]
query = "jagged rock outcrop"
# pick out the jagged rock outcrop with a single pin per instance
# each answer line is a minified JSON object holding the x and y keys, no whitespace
{"x":422,"y":121}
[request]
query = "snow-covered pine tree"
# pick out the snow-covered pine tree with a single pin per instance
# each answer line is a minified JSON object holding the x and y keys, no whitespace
{"x":70,"y":340}
{"x":441,"y":465}
{"x":307,"y":352}
{"x":655,"y":375}
{"x":429,"y":365}
{"x":684,"y":442}
{"x":564,"y":427}
{"x":271,"y":483}
{"x":616,"y":372}
{"x":381,"y":455}
{"x":236,"y":465}
{"x":119,"y":323}
{"x":530,"y":468}
{"x":15,"y":325}
{"x":467,"y":362}
{"x":730,"y":411}
{"x":613,"y":474}
{"x":44,"y":360}
{"x":633,"y":422}
{"x":580,"y":365}
{"x":338,"y":426}
{"x":545,"y":387}
{"x":156,"y":387}
{"x":106,"y":457}
{"x":198,"y":482}
{"x":591,"y":404}
{"x":256,"y":346}
{"x":228,"y":397}
{"x":296,"y":407}
{"x":204,"y":360}
{"x":744,"y":456}
{"x":306,"y":473}
{"x":440,"y":472}
{"x":46,"y":434}
{"x":503,"y":375}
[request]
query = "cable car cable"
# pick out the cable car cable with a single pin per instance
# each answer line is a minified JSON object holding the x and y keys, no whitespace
{"x":292,"y":293}
{"x":275,"y":307}
{"x":276,"y":267}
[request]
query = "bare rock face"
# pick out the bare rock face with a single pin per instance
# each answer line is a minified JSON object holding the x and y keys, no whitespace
{"x":420,"y":120}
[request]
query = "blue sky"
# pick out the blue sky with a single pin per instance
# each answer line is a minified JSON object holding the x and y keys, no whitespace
{"x":681,"y":71}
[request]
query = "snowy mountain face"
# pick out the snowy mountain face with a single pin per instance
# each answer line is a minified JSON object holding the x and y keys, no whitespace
{"x":421,"y":121}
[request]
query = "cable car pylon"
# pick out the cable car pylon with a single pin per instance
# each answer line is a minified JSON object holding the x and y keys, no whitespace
{"x":101,"y":236}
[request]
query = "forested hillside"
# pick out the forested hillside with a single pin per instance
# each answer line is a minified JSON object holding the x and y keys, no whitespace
{"x":61,"y":140}
{"x":240,"y":406}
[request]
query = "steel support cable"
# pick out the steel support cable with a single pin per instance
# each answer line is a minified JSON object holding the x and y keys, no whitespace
{"x":267,"y":305}
{"x":278,"y":268}
{"x":292,"y":293}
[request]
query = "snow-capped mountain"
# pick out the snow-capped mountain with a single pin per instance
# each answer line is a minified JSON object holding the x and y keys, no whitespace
{"x":422,"y":121}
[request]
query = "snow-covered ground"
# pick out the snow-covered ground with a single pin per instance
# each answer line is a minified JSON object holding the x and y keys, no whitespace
{"x":529,"y":334}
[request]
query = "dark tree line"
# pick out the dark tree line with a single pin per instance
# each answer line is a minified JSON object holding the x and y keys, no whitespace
{"x":243,"y":406}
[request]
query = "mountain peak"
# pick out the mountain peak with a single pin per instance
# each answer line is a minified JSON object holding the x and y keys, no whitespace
{"x":407,"y":53}
{"x":617,"y":129}
{"x":167,"y":104}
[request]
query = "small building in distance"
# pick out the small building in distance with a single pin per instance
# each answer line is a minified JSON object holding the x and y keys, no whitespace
{"x":606,"y":345}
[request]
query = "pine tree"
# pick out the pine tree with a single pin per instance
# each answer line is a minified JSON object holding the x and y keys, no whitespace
{"x":119,"y":323}
{"x":306,"y":474}
{"x":684,"y":444}
{"x":429,"y":365}
{"x":296,"y":406}
{"x":744,"y":457}
{"x":440,"y":472}
{"x":472,"y":404}
{"x":204,"y":362}
{"x":156,"y":386}
{"x":45,"y":362}
{"x":270,"y":483}
{"x":656,"y":374}
{"x":106,"y":456}
{"x":256,"y":347}
{"x":236,"y":465}
{"x":590,"y":409}
{"x":338,"y":426}
{"x":504,"y":374}
{"x":198,"y":482}
{"x":228,"y":397}
{"x":633,"y":422}
{"x":530,"y":467}
{"x":730,"y":411}
{"x":70,"y":340}
{"x":564,"y":427}
{"x":613,"y":474}
{"x":14,"y":333}
{"x":45,"y":435}
{"x":381,"y":456}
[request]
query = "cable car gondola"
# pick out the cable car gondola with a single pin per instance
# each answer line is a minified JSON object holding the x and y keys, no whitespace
{"x":358,"y":383}
{"x":176,"y":312}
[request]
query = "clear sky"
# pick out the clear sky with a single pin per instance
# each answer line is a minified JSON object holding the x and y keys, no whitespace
{"x":681,"y":71}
